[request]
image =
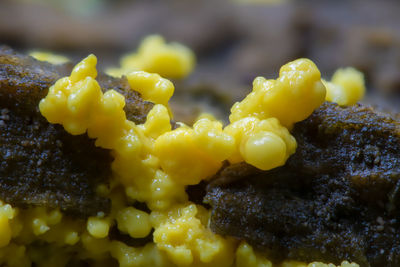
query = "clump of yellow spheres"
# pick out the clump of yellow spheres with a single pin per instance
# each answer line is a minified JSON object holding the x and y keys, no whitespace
{"x":153,"y":163}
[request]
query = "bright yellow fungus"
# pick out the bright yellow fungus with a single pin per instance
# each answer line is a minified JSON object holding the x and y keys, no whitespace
{"x":6,"y":214}
{"x":153,"y":163}
{"x":98,"y":227}
{"x":154,"y":55}
{"x":190,"y":155}
{"x":151,"y":86}
{"x":49,"y":57}
{"x":346,"y":87}
{"x":265,"y":144}
{"x":290,"y":98}
{"x":245,"y":256}
{"x":134,"y":222}
{"x":261,"y":140}
{"x":188,"y":242}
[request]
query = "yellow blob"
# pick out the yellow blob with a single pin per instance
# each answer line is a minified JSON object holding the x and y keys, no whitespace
{"x":151,"y":86}
{"x":49,"y":57}
{"x":39,"y":226}
{"x":54,"y":217}
{"x":245,"y":256}
{"x":155,"y":56}
{"x":290,"y":98}
{"x":265,"y":150}
{"x":153,"y":164}
{"x":70,"y":101}
{"x":98,"y":227}
{"x":190,"y":155}
{"x":149,"y":255}
{"x":84,"y":69}
{"x":188,"y":242}
{"x":182,"y":158}
{"x":134,"y":222}
{"x":158,"y":122}
{"x":71,"y":238}
{"x":346,"y":87}
{"x":84,"y":107}
{"x":265,"y":144}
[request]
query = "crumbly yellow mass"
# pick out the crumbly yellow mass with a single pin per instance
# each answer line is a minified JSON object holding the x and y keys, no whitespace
{"x":188,"y":242}
{"x":154,"y":55}
{"x":153,"y":164}
{"x":290,"y":98}
{"x":190,"y":155}
{"x":259,"y":122}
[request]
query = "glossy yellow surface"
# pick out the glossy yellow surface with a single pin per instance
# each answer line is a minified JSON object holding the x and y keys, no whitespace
{"x":98,"y":227}
{"x":153,"y":164}
{"x":265,"y":144}
{"x":154,"y":55}
{"x":134,"y":222}
{"x":151,"y":86}
{"x":290,"y":98}
{"x":192,"y":154}
{"x":346,"y":87}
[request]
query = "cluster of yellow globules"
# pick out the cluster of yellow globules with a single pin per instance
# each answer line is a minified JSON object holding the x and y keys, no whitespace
{"x":154,"y":163}
{"x":154,"y":55}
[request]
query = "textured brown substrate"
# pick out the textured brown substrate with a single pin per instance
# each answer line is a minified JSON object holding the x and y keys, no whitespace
{"x":40,"y":163}
{"x":337,"y":197}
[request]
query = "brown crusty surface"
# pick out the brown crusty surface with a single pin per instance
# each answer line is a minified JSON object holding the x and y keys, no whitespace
{"x":337,"y":198}
{"x":40,"y":163}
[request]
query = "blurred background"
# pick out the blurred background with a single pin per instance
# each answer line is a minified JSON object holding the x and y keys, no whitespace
{"x":234,"y":40}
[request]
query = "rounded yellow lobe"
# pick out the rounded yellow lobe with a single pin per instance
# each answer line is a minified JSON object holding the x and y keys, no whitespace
{"x":264,"y":150}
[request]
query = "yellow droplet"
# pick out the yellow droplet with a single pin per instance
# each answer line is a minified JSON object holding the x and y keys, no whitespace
{"x":98,"y":227}
{"x":264,"y":150}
